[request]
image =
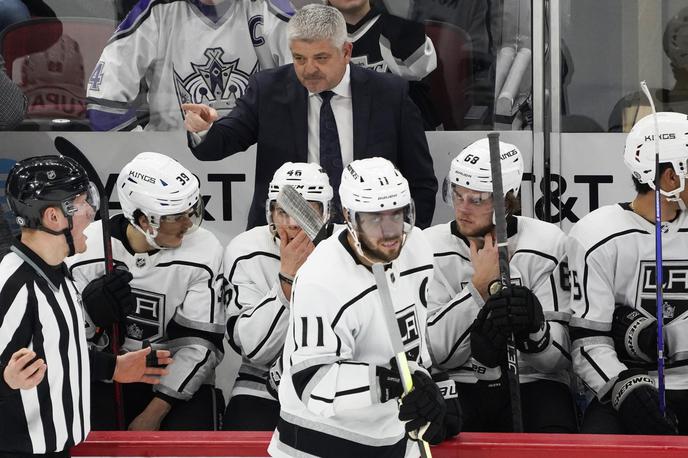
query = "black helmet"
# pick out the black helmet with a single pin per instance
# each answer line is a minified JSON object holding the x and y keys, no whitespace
{"x":39,"y":182}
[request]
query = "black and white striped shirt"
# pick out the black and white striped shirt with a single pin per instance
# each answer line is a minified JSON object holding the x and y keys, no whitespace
{"x":40,"y":309}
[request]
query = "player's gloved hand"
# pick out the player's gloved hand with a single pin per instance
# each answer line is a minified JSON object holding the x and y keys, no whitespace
{"x":635,"y":334}
{"x":108,"y":299}
{"x":274,"y":378}
{"x":389,"y":381}
{"x":453,"y":419}
{"x":636,"y":399}
{"x":488,"y":346}
{"x":516,"y":310}
{"x":423,"y":410}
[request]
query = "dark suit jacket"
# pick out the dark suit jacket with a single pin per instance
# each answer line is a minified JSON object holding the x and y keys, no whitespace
{"x":273,"y":113}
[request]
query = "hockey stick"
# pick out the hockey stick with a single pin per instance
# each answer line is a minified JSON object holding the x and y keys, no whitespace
{"x":658,"y":262}
{"x":395,"y":338}
{"x":67,"y":148}
{"x":505,"y":276}
{"x":305,"y":216}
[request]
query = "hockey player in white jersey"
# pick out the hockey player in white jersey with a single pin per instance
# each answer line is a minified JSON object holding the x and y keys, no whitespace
{"x":338,"y":394}
{"x":387,"y":43}
{"x":166,"y":289}
{"x":166,"y":53}
{"x":468,"y":327}
{"x":260,"y":265}
{"x":612,"y":261}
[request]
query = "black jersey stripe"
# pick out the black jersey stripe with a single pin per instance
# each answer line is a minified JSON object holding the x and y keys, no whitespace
{"x":455,"y":347}
{"x":416,"y":269}
{"x":536,"y":253}
{"x":566,"y":354}
{"x":589,"y":252}
{"x":79,"y":362}
{"x":249,"y":256}
{"x":268,"y":334}
{"x":211,"y":278}
{"x":594,"y":365}
{"x":555,"y":298}
{"x":451,"y":253}
{"x":438,"y":317}
{"x":360,"y":389}
{"x":194,"y":371}
{"x":343,"y":308}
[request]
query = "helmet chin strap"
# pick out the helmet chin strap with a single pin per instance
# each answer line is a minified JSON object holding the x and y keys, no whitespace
{"x":67,"y":232}
{"x":150,"y":238}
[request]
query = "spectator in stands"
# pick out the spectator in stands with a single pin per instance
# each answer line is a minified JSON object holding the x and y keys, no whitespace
{"x":167,"y":290}
{"x":165,"y":54}
{"x":260,"y":266}
{"x":12,"y":101}
{"x":320,"y":109}
{"x":387,"y":43}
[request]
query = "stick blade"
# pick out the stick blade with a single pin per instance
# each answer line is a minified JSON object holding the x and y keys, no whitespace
{"x":298,"y":208}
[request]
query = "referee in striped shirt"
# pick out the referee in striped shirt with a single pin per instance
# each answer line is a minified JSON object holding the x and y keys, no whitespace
{"x":45,"y":363}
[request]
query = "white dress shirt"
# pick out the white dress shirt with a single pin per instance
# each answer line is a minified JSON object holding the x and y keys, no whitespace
{"x":343,"y":116}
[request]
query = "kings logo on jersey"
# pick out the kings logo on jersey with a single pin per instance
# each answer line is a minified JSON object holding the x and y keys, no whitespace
{"x":215,"y":82}
{"x":410,"y":332}
{"x":674,"y":291}
{"x":147,"y":321}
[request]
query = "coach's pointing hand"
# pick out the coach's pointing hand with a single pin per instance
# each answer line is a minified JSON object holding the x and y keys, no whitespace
{"x":198,"y":117}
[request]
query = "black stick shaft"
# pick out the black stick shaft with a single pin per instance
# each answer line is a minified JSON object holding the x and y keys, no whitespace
{"x":67,"y":148}
{"x":505,"y":276}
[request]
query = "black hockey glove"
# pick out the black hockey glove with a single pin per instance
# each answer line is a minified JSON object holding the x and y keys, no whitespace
{"x":274,"y":377}
{"x":636,"y":399}
{"x":516,"y":310}
{"x":488,"y":346}
{"x":423,"y":409}
{"x":635,"y":335}
{"x":453,"y":419}
{"x":390,"y":382}
{"x":108,"y":299}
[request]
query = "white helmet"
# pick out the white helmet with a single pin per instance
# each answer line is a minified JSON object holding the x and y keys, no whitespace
{"x":309,"y":179}
{"x":471,"y":169}
{"x":675,"y":39}
{"x":374,"y":185}
{"x":639,"y":154}
{"x":159,"y":187}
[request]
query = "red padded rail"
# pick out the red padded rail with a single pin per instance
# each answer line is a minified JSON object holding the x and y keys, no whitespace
{"x":467,"y":445}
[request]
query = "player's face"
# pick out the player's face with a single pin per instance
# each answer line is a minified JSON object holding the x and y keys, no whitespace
{"x":472,"y":210}
{"x":319,"y":65}
{"x":83,"y":216}
{"x":281,"y":219}
{"x":381,"y":233}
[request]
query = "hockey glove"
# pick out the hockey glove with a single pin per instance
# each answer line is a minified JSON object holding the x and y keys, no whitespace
{"x":453,"y":419}
{"x":423,"y":409}
{"x":108,"y":299}
{"x":635,"y":335}
{"x":274,"y":377}
{"x":488,"y":347}
{"x":390,"y":382}
{"x":636,"y":399}
{"x":516,"y":310}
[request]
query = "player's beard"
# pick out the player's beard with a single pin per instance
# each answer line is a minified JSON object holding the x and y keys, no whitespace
{"x":480,"y":231}
{"x":375,"y":254}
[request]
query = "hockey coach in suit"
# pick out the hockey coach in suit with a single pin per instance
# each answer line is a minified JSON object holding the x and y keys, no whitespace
{"x":319,"y":109}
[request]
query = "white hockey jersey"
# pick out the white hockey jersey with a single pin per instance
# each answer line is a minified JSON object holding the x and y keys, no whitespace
{"x":612,"y":261}
{"x":329,"y":393}
{"x":537,"y":262}
{"x":179,"y":304}
{"x":258,"y":311}
{"x":182,"y":51}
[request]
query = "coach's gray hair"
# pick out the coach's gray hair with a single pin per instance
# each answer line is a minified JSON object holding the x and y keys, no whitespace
{"x":318,"y":22}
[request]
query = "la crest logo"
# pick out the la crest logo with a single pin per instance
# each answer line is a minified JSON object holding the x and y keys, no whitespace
{"x":215,"y":82}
